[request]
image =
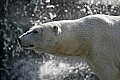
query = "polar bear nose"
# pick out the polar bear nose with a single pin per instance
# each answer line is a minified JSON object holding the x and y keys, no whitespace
{"x":19,"y":40}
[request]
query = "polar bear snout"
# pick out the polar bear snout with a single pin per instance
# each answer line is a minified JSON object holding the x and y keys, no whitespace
{"x":24,"y":42}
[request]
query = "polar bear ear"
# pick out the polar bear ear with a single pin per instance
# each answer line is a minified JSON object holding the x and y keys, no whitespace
{"x":57,"y":30}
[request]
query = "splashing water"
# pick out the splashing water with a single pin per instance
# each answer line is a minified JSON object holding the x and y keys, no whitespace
{"x":53,"y":70}
{"x":31,"y":69}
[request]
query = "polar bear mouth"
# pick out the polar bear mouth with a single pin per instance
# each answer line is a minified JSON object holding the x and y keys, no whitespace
{"x":28,"y":46}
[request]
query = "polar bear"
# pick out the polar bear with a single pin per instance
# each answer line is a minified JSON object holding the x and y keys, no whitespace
{"x":96,"y":38}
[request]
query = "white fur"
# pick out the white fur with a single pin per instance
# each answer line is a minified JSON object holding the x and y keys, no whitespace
{"x":96,"y":38}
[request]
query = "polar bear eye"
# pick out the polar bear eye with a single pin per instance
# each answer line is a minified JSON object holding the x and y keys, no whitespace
{"x":35,"y":31}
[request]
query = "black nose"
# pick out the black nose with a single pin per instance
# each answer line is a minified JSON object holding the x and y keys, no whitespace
{"x":19,"y":40}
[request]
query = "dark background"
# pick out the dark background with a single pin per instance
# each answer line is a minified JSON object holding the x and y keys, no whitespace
{"x":17,"y":16}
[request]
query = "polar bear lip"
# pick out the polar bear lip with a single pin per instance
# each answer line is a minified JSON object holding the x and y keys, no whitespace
{"x":27,"y":46}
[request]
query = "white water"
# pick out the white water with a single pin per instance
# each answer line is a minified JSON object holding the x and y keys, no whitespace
{"x":53,"y":70}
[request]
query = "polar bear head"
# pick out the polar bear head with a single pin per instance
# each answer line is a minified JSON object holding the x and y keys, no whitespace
{"x":41,"y":38}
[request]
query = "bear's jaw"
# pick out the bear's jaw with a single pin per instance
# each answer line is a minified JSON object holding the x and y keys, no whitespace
{"x":39,"y":49}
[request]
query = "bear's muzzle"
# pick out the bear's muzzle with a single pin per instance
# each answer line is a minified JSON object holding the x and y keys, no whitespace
{"x":24,"y":44}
